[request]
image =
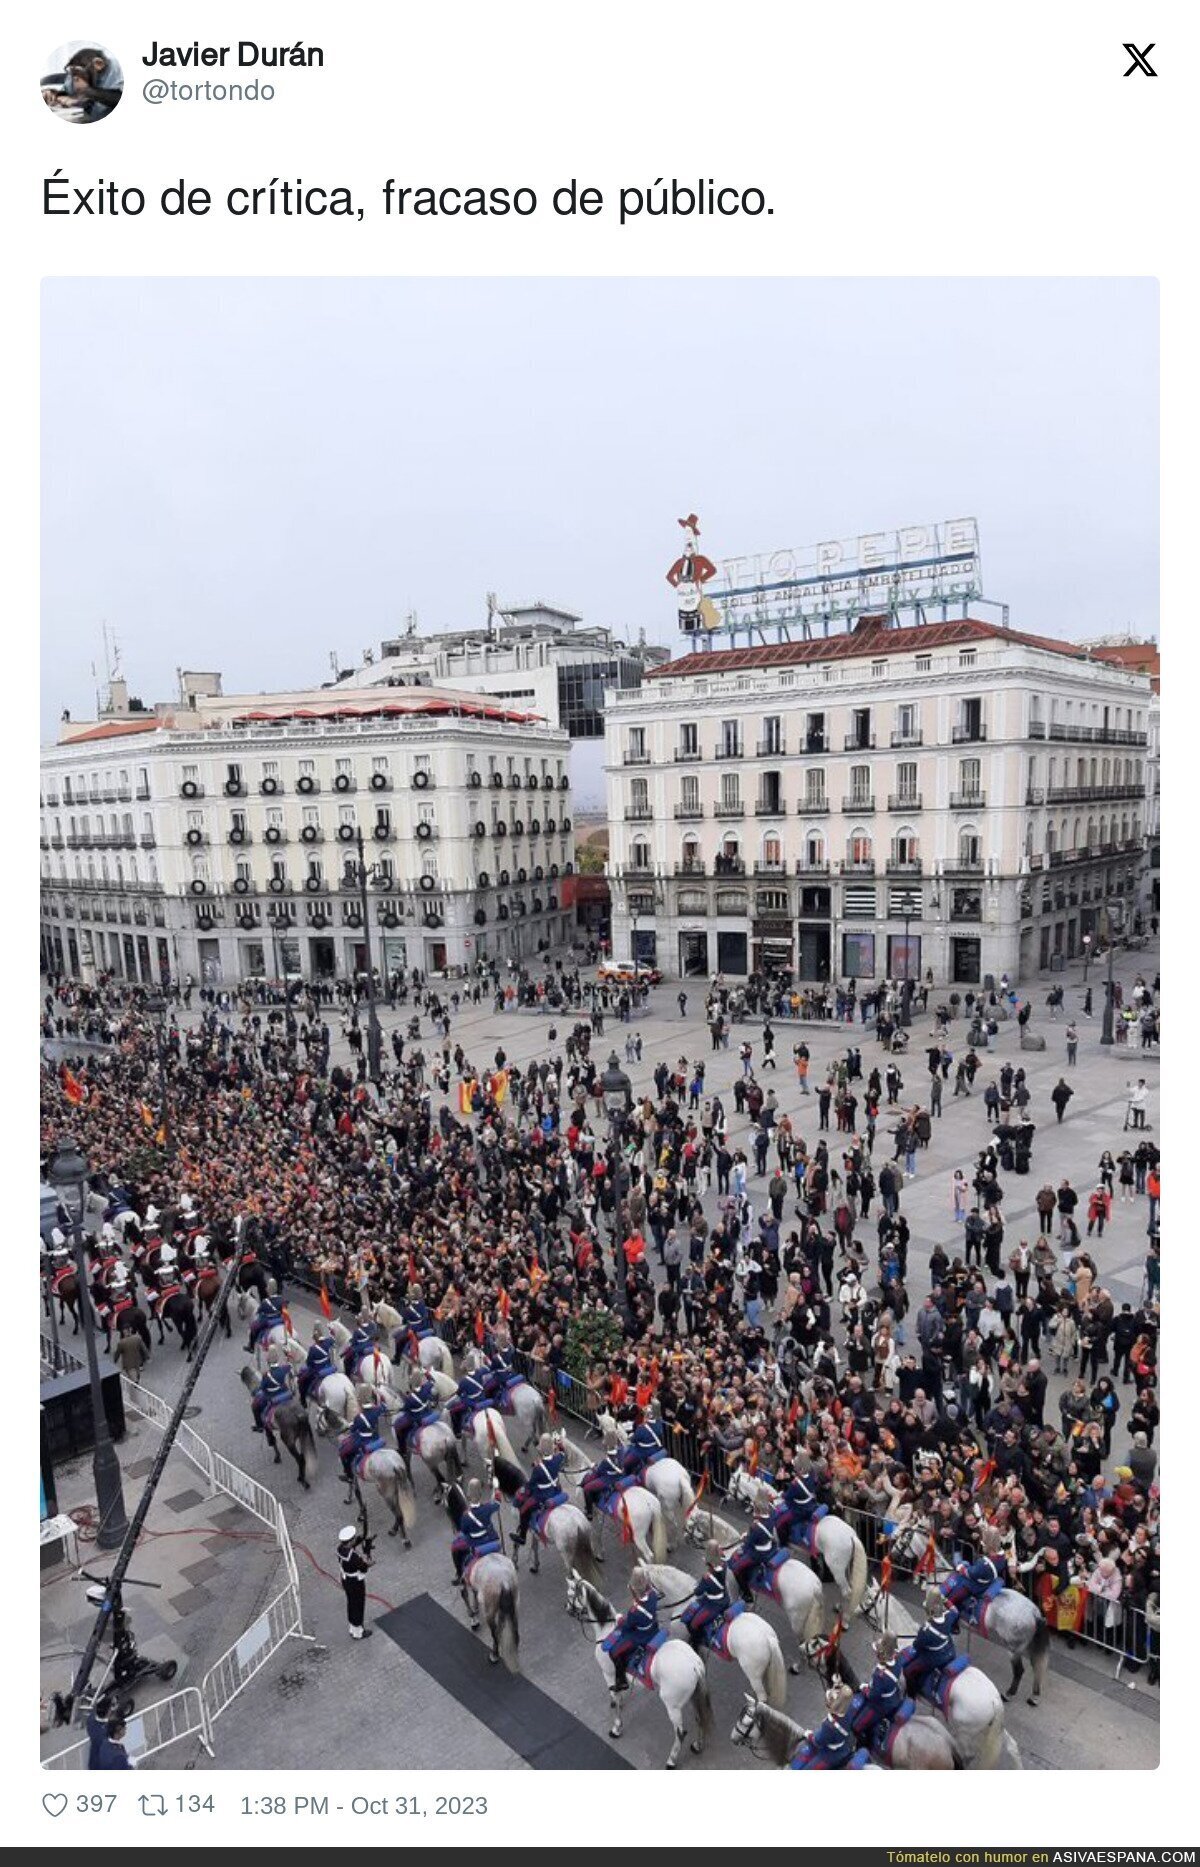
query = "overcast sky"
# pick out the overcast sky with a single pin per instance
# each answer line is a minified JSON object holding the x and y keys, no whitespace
{"x":251,"y":474}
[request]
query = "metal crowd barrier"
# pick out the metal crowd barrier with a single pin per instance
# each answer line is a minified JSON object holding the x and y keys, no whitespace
{"x":58,"y":1360}
{"x":194,"y":1711}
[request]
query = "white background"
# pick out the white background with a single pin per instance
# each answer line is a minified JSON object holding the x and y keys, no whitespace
{"x":930,"y":139}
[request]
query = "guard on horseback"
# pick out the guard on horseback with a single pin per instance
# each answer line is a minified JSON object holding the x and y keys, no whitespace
{"x":268,"y":1316}
{"x":755,"y":1550}
{"x":710,"y":1598}
{"x":635,"y":1630}
{"x":419,"y":1406}
{"x":502,"y":1373}
{"x":274,"y":1389}
{"x":933,"y":1646}
{"x":833,"y":1744}
{"x":361,"y":1343}
{"x":472,"y":1394}
{"x":885,"y":1691}
{"x":971,"y":1581}
{"x":801,"y":1497}
{"x":541,"y":1490}
{"x":644,"y":1448}
{"x":477,"y":1534}
{"x":415,"y":1317}
{"x":363,"y":1437}
{"x":319,"y":1362}
{"x":606,"y":1476}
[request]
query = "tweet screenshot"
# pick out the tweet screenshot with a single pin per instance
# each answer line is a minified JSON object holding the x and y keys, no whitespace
{"x":592,"y":583}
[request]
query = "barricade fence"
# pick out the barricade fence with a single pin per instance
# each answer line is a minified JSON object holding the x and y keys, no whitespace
{"x":57,"y":1360}
{"x":193,"y":1711}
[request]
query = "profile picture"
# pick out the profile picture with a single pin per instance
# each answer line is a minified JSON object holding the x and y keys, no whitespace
{"x":83,"y":82}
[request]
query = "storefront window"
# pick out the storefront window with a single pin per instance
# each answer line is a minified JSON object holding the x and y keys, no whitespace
{"x":858,"y":955}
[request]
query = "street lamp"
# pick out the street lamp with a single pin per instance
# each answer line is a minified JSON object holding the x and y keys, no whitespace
{"x":156,"y":1007}
{"x":47,"y":1225}
{"x":618,"y":1100}
{"x":374,"y":1031}
{"x":910,"y":909}
{"x":1109,"y":931}
{"x":1087,"y":955}
{"x":68,"y":1175}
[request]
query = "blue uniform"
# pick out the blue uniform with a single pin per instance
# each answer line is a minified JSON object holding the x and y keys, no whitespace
{"x":541,"y":1491}
{"x":103,"y":1752}
{"x":269,"y":1313}
{"x":363,"y":1436}
{"x":633,"y":1632}
{"x":318,"y":1366}
{"x":471,"y":1395}
{"x":709,"y":1602}
{"x":882,"y":1696}
{"x":417,"y":1318}
{"x":756,"y":1548}
{"x":974,"y":1579}
{"x":274,"y":1388}
{"x":932,"y":1649}
{"x":800,"y":1499}
{"x":420,"y":1406}
{"x":831,"y":1747}
{"x":476,"y":1535}
{"x":603,"y":1479}
{"x":501,"y":1373}
{"x":362,"y":1342}
{"x":645,"y":1446}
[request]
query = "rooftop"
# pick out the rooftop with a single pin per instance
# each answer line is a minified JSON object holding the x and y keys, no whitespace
{"x":870,"y":639}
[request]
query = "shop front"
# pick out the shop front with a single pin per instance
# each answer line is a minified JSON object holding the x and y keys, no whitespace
{"x":773,"y":949}
{"x":693,"y":954}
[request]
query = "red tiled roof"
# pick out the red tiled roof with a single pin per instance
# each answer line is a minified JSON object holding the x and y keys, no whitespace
{"x":872,"y":640}
{"x":438,"y":707}
{"x":111,"y":729}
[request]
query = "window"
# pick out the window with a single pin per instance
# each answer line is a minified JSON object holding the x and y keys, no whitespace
{"x":689,"y":740}
{"x":234,"y":776}
{"x":966,"y":657}
{"x":731,"y":794}
{"x":342,"y":767}
{"x":421,"y":763}
{"x":906,"y":725}
{"x":237,"y":823}
{"x":380,"y":766}
{"x":814,"y":851}
{"x":641,"y":855}
{"x":814,"y":733}
{"x":878,"y":669}
{"x":859,"y":736}
{"x":970,"y":849}
{"x":639,"y":797}
{"x":311,"y":817}
{"x":969,"y":775}
{"x":308,"y":768}
{"x":772,"y":739}
{"x":860,"y":783}
{"x":906,"y":781}
{"x":859,"y":848}
{"x":924,"y":663}
{"x":636,"y":754}
{"x":690,"y":856}
{"x":731,"y":740}
{"x":690,"y":795}
{"x":814,"y":790}
{"x":772,"y":852}
{"x":770,"y":798}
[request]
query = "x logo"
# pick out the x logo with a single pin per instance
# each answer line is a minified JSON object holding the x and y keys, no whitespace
{"x":1141,"y":61}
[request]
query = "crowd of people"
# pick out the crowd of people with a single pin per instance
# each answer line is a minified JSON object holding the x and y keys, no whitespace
{"x":783,"y":1332}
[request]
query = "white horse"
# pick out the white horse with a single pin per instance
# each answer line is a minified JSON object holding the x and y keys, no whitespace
{"x":666,"y":1479}
{"x":386,"y":1471}
{"x":920,"y":1744}
{"x":522,"y":1401}
{"x":434,"y":1444}
{"x":432,"y":1352}
{"x":374,"y":1368}
{"x":567,"y":1530}
{"x":677,"y":1674}
{"x":336,"y":1400}
{"x":486,"y":1427}
{"x":974,"y":1710}
{"x":795,"y":1588}
{"x":838,"y":1545}
{"x":636,"y":1511}
{"x":276,"y":1335}
{"x":491,"y":1596}
{"x":1013,"y":1621}
{"x":750,"y":1642}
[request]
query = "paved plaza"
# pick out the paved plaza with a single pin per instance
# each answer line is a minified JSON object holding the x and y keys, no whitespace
{"x":372,"y":1705}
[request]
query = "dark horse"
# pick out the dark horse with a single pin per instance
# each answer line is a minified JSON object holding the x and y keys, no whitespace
{"x":291,"y":1424}
{"x":175,"y":1307}
{"x":207,"y":1289}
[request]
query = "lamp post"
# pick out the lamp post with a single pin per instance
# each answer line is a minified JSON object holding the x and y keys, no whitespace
{"x":374,"y":1032}
{"x":910,"y":908}
{"x":1109,"y":931}
{"x":68,"y":1175}
{"x":156,"y":1006}
{"x":1087,"y":955}
{"x":47,"y":1224}
{"x":618,"y":1099}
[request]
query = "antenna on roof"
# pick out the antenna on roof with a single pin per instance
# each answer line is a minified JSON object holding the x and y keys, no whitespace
{"x":333,"y":661}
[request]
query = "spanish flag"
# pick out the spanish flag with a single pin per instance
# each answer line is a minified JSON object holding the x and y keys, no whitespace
{"x":499,"y":1086}
{"x":626,"y":1524}
{"x":72,"y":1087}
{"x":927,"y":1560}
{"x":984,"y":1475}
{"x":412,"y":1268}
{"x":752,"y":1463}
{"x":326,"y":1305}
{"x":702,"y":1487}
{"x":537,"y":1275}
{"x":480,"y":1331}
{"x":161,"y":1137}
{"x":885,"y":1574}
{"x":643,"y":1394}
{"x":147,"y":1114}
{"x":505,"y":1304}
{"x":466,"y":1090}
{"x":552,"y":1402}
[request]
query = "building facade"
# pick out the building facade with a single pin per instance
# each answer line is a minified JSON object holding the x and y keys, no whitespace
{"x":955,"y":798}
{"x":218,"y":838}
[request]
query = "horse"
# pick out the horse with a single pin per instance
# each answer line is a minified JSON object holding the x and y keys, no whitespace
{"x":485,"y":1425}
{"x":676,"y":1673}
{"x":749,"y":1641}
{"x":290,"y":1422}
{"x":207,"y":1289}
{"x":563,"y":1528}
{"x":490,"y":1594}
{"x":794,"y":1587}
{"x":64,"y":1290}
{"x":337,"y":1402}
{"x":432,"y":1352}
{"x":435,"y":1445}
{"x":664,"y":1478}
{"x":780,"y":1736}
{"x":252,"y":1276}
{"x":386,"y":1470}
{"x":974,"y":1712}
{"x":1013,"y":1621}
{"x":838,"y":1545}
{"x":174,"y":1306}
{"x":636,"y":1511}
{"x":522,"y":1401}
{"x":276,"y":1335}
{"x":374,"y":1368}
{"x":921,"y":1743}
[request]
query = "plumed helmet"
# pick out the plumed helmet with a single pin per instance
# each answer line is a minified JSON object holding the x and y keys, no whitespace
{"x":886,"y":1647}
{"x":272,"y":1287}
{"x":475,"y":1492}
{"x":639,"y":1581}
{"x":991,"y":1542}
{"x":318,"y":1332}
{"x":713,"y":1552}
{"x":839,"y":1699}
{"x":935,"y":1604}
{"x":273,"y":1357}
{"x":545,"y":1445}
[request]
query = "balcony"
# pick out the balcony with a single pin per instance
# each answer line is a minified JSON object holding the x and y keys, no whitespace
{"x":382,"y":833}
{"x":1035,"y":794}
{"x":813,"y":806}
{"x":640,"y":871}
{"x":770,"y":748}
{"x":728,"y":865}
{"x":687,"y":755}
{"x":959,"y":865}
{"x":196,"y":790}
{"x":812,"y":865}
{"x":1094,"y":793}
{"x":859,"y":742}
{"x":968,"y":735}
{"x":698,"y":868}
{"x":904,"y":800}
{"x":899,"y":740}
{"x":634,"y":813}
{"x":816,"y":742}
{"x":906,"y":865}
{"x":688,"y":813}
{"x":862,"y":865}
{"x":238,"y":837}
{"x":148,"y":840}
{"x":143,"y":793}
{"x":1037,"y":729}
{"x":57,"y":842}
{"x":857,"y":805}
{"x":730,"y":751}
{"x":636,"y":758}
{"x":771,"y":868}
{"x":729,"y":810}
{"x":968,"y":800}
{"x":1098,"y":735}
{"x":770,"y":808}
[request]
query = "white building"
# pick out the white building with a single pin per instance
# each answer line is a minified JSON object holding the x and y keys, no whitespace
{"x":955,"y":797}
{"x":218,"y":837}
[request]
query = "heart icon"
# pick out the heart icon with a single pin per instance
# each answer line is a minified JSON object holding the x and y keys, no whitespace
{"x":54,"y":1805}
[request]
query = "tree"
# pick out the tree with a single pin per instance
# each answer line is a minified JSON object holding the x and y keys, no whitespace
{"x":592,"y":1336}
